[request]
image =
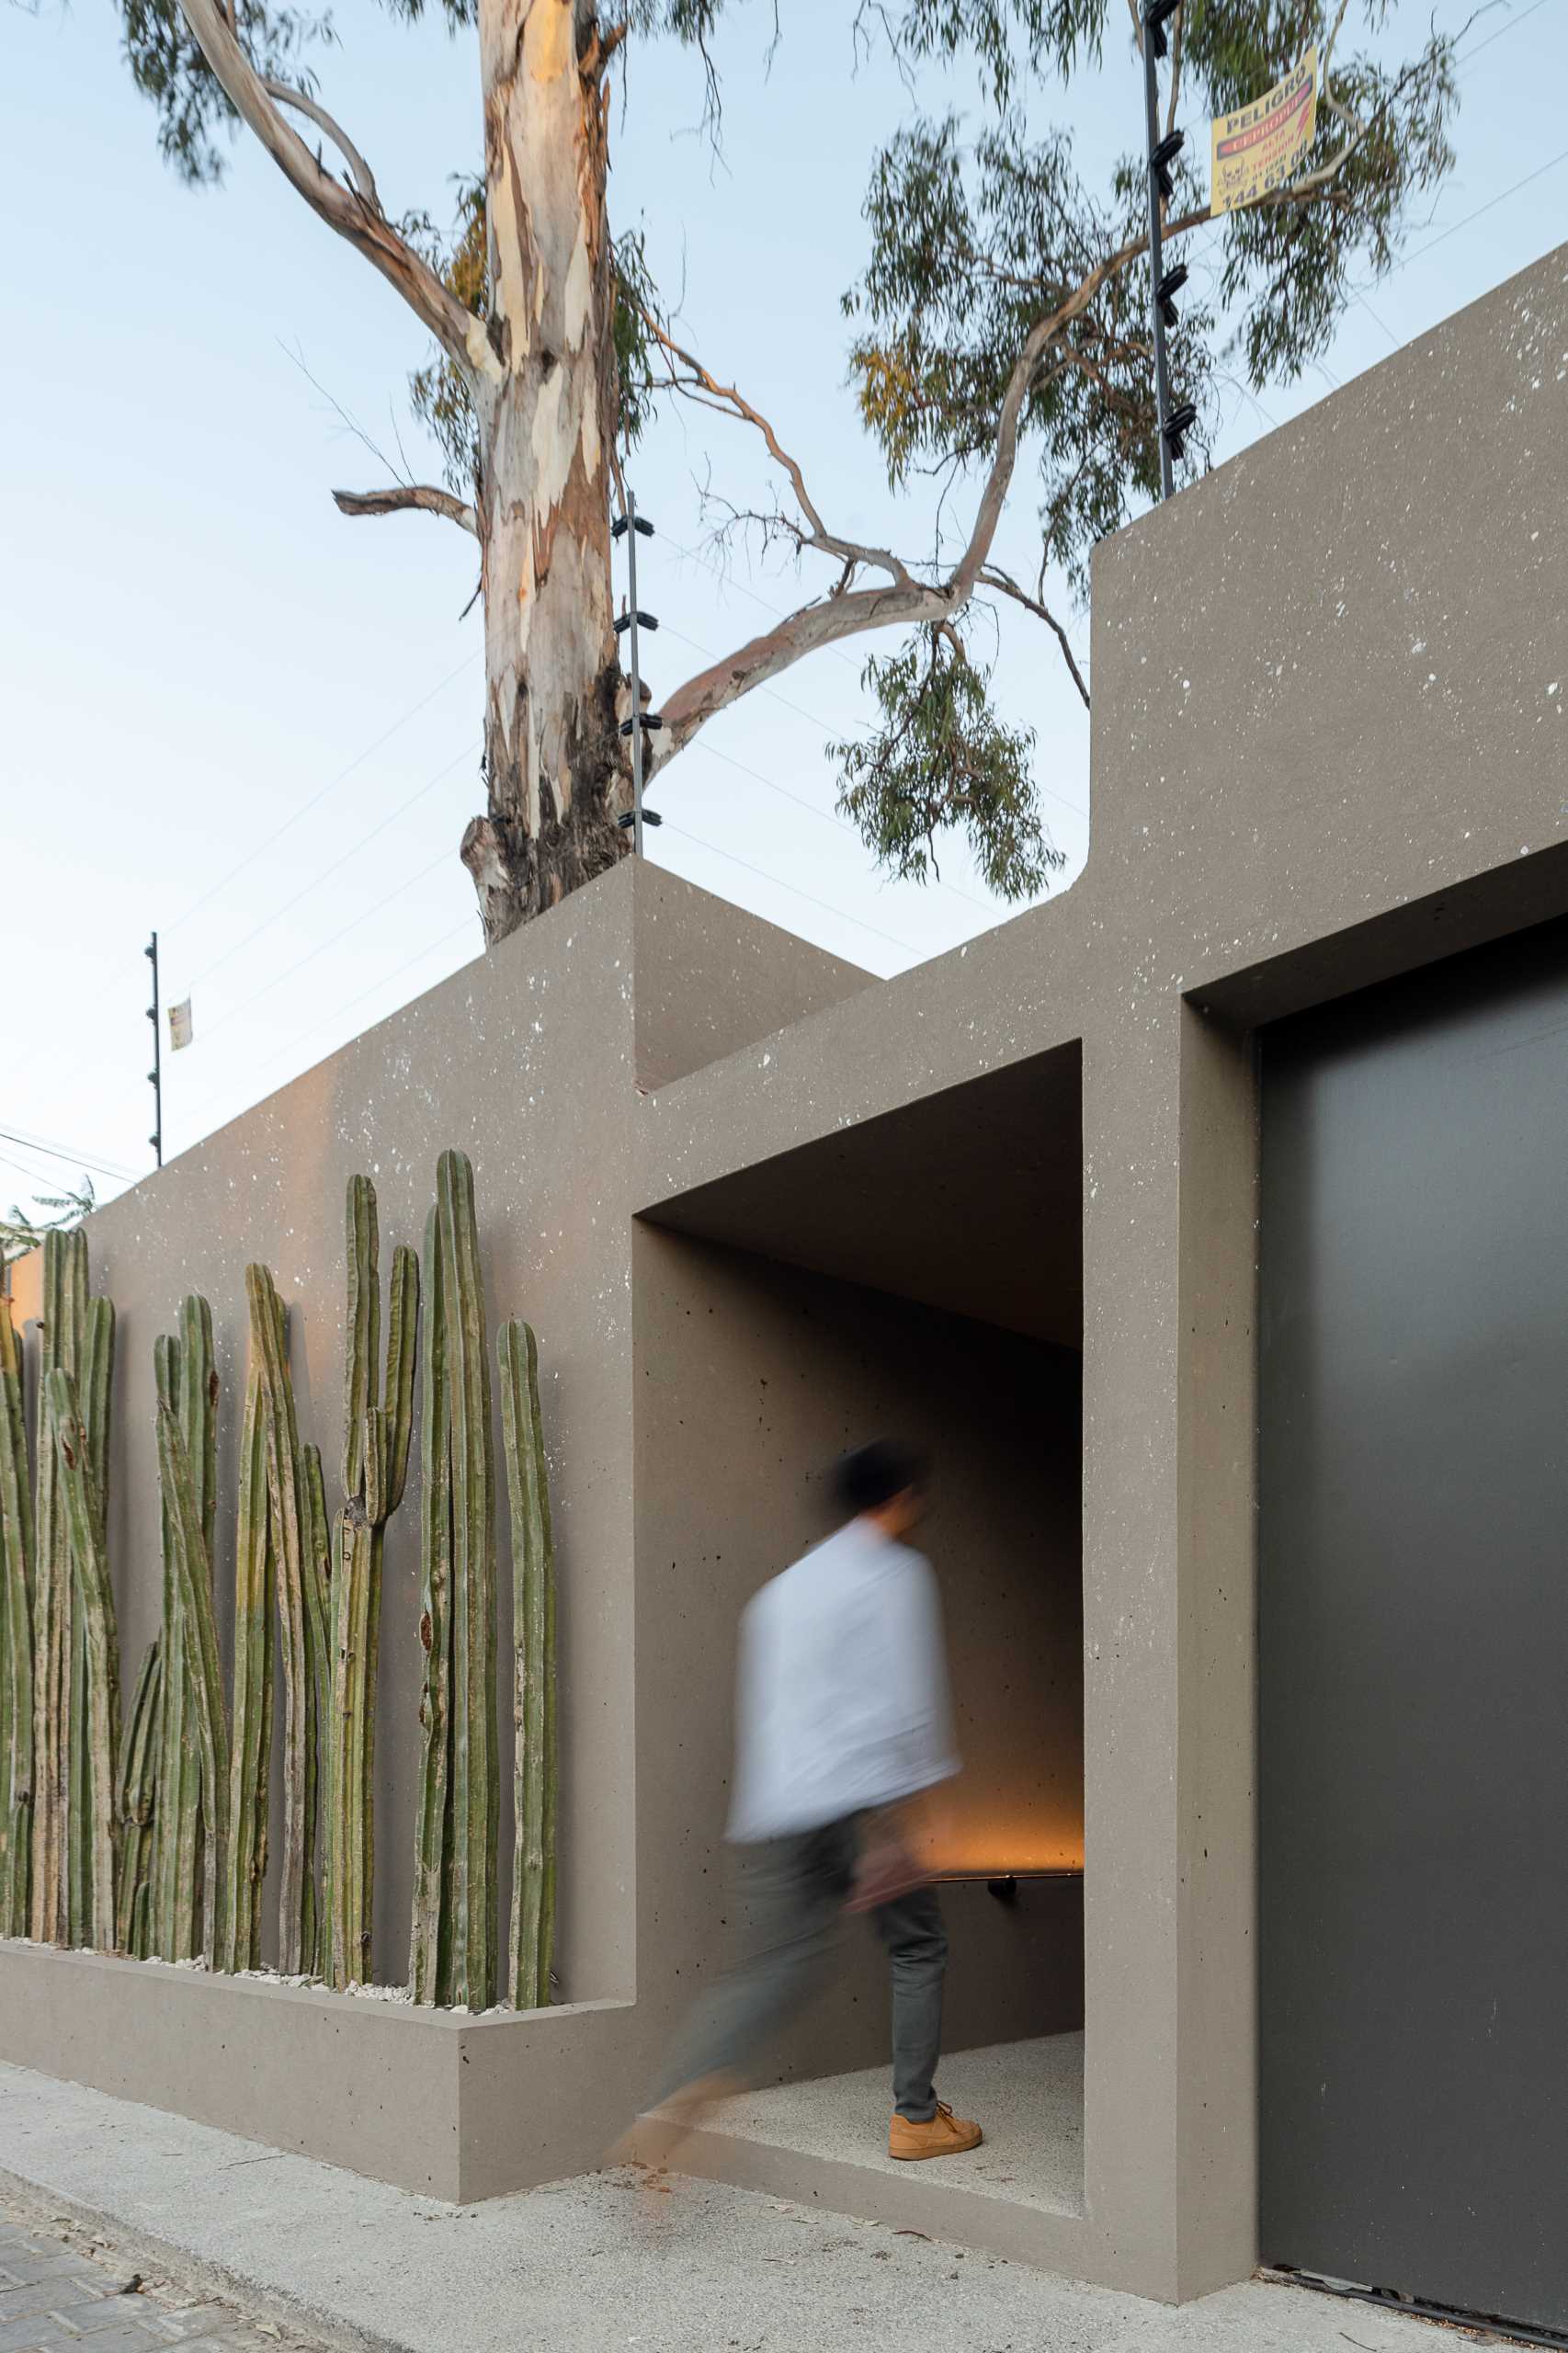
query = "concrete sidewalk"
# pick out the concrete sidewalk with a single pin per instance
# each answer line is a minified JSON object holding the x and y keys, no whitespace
{"x":585,"y":2265}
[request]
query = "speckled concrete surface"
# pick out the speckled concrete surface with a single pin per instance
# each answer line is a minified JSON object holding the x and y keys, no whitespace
{"x":1028,"y":2098}
{"x":583,"y":2266}
{"x":1328,"y":747}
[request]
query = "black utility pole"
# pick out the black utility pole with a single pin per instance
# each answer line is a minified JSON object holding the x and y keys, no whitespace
{"x":155,"y":1075}
{"x":1163,"y":285}
{"x":627,"y":527}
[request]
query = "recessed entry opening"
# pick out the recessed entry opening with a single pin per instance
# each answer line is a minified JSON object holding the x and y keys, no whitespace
{"x":919,"y":1274}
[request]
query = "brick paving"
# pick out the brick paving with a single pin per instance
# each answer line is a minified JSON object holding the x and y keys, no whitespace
{"x":59,"y":2287}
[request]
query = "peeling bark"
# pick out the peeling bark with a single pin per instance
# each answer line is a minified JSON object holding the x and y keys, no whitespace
{"x":556,"y":774}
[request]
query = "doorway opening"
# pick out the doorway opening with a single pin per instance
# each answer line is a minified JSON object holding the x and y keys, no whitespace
{"x":919,"y":1275}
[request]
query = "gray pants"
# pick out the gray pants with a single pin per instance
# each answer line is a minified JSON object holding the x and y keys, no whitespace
{"x":793,"y":1891}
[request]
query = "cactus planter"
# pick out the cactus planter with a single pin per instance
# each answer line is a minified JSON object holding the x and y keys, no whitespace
{"x":151,"y":1837}
{"x":532,"y":1938}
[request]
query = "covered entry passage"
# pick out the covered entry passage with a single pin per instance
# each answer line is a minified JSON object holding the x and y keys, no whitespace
{"x":1414,"y":1633}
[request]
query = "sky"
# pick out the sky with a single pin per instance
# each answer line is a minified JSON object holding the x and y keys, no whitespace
{"x":230,"y":715}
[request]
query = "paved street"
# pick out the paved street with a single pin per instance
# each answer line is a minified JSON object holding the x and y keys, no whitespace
{"x":55,"y":2293}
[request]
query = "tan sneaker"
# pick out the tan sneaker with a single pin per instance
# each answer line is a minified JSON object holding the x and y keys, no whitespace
{"x":945,"y":2136}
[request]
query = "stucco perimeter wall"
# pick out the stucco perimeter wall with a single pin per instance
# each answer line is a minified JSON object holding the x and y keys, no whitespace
{"x":751,"y":1378}
{"x":528,"y":1061}
{"x":1328,"y":745}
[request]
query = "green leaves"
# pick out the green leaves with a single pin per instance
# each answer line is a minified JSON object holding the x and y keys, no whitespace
{"x":972,"y":247}
{"x":942,"y":758}
{"x":1289,"y":268}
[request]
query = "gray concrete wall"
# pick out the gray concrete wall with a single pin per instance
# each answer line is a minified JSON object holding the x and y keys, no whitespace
{"x":527,"y":1060}
{"x":1327,"y":746}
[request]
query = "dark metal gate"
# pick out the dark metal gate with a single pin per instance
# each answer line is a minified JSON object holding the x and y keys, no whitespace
{"x":1413,"y":1636}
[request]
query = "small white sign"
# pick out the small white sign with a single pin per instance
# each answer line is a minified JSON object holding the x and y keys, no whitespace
{"x":181,"y":1031}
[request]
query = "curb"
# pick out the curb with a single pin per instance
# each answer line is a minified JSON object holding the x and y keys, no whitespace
{"x":148,"y":2252}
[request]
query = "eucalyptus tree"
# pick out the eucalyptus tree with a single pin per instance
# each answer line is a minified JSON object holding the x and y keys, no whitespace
{"x":998,"y":336}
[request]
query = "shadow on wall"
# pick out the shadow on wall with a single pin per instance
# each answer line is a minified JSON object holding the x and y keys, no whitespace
{"x":753,"y":1375}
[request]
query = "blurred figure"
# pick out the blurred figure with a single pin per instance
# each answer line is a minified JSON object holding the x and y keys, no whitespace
{"x":842,"y":1718}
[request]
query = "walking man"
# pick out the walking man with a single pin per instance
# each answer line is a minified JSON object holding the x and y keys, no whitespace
{"x":842,"y":1718}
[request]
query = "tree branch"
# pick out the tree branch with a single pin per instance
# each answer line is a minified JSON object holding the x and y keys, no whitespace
{"x":708,"y":392}
{"x":405,"y":497}
{"x":1041,"y":335}
{"x":1175,"y":69}
{"x":357,"y":216}
{"x":727,"y":396}
{"x":994,"y":577}
{"x":813,"y":626}
{"x":364,"y":178}
{"x":909,"y":600}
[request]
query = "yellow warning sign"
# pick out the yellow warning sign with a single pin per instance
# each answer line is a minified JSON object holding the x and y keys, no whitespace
{"x":1258,"y":148}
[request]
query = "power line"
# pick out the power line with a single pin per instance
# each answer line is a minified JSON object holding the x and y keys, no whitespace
{"x":245,"y":1004}
{"x":64,"y":1151}
{"x":779,"y":884}
{"x":330,"y":1019}
{"x":1491,"y":202}
{"x":318,"y":797}
{"x":1512,"y":26}
{"x":336,"y":865}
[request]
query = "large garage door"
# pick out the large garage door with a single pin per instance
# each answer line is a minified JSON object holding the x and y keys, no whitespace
{"x":1413,"y":1630}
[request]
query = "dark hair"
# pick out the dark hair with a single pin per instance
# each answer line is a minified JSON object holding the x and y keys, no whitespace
{"x":873,"y":1475}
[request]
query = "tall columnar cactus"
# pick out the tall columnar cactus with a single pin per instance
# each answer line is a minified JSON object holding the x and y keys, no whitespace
{"x":78,"y":1340}
{"x":138,"y":1800}
{"x":429,"y":1961}
{"x":94,"y":1823}
{"x":183,"y":1888}
{"x":239,"y":1924}
{"x":16,"y":1638}
{"x":376,"y":1427}
{"x":533,"y":1609}
{"x":318,"y":1665}
{"x":91,"y":1803}
{"x":63,"y":1344}
{"x":205,"y":1723}
{"x":288,"y":1521}
{"x":454,"y":1956}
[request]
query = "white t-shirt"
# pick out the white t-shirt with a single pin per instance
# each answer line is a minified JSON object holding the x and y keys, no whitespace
{"x":841,"y":1698}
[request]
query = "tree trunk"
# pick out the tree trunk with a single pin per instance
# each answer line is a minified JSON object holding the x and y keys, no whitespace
{"x":556,"y":768}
